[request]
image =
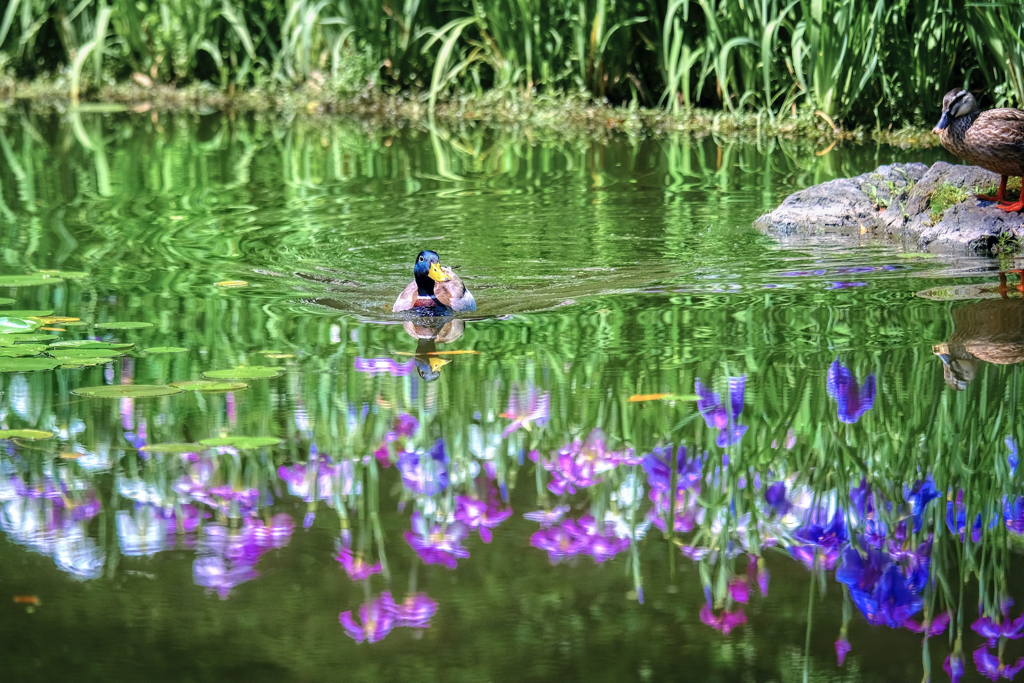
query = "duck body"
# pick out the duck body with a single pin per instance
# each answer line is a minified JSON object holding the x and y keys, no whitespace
{"x":992,"y":139}
{"x":435,"y":290}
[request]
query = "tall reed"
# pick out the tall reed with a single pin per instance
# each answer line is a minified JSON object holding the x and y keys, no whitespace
{"x":877,"y":63}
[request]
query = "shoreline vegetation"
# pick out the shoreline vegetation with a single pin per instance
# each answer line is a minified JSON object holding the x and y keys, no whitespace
{"x":566,"y":115}
{"x":829,"y":69}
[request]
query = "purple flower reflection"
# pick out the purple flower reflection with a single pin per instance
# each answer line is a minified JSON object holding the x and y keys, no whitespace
{"x":227,"y":558}
{"x":476,"y":514}
{"x":221,"y":575}
{"x":880,"y":589}
{"x":716,"y":415}
{"x":560,"y":542}
{"x":547,"y":518}
{"x":993,"y":630}
{"x":853,"y":399}
{"x":954,"y":665}
{"x":1013,"y":459}
{"x":415,"y":611}
{"x":843,"y":648}
{"x":381,"y":366}
{"x":437,"y":545}
{"x":377,"y":619}
{"x":658,"y":466}
{"x":922,"y":493}
{"x":845,"y":285}
{"x":424,"y":473}
{"x":526,"y":406}
{"x":354,"y":565}
{"x":992,"y":668}
{"x":724,"y":622}
{"x":936,"y":627}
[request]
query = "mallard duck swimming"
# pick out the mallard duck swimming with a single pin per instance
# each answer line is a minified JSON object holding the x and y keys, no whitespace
{"x":992,"y":139}
{"x":435,"y":289}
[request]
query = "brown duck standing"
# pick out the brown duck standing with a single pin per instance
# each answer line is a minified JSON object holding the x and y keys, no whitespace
{"x":992,"y":139}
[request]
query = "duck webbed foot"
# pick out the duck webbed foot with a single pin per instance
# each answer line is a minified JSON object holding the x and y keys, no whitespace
{"x":999,"y":196}
{"x":1010,"y":207}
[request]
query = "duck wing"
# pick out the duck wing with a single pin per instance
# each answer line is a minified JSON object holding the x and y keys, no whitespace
{"x":453,"y":293}
{"x":407,"y":299}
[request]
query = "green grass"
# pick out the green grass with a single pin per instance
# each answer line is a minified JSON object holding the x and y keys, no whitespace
{"x":943,"y":197}
{"x":858,"y":63}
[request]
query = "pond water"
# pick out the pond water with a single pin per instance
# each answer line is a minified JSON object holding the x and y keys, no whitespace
{"x":665,"y":447}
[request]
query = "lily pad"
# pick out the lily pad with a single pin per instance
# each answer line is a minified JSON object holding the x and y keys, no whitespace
{"x":250,"y":372}
{"x":30,"y":434}
{"x":27,"y":280}
{"x":76,"y":363}
{"x":14,"y":325}
{"x":28,"y":364}
{"x":123,"y":326}
{"x":210,"y":387}
{"x":21,"y":350}
{"x":166,"y":349}
{"x":27,"y":314}
{"x":89,"y":344}
{"x":85,"y":354}
{"x":242,"y":442}
{"x":8,"y":339}
{"x":172,"y":448}
{"x":126,"y":390}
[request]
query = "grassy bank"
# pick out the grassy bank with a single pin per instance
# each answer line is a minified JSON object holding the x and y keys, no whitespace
{"x":868,"y":64}
{"x":564,"y":116}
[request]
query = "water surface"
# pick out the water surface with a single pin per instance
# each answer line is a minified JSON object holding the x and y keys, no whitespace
{"x":664,"y":448}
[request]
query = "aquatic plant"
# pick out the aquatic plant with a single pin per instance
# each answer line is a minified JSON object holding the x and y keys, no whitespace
{"x":882,"y":62}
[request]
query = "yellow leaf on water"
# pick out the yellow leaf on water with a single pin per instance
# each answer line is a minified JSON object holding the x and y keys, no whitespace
{"x":637,"y":398}
{"x":232,"y":283}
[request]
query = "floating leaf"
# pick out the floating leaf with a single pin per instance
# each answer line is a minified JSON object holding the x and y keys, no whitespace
{"x":242,"y":442}
{"x":27,"y":280}
{"x":232,"y":283}
{"x":76,"y":363}
{"x":54,"y":329}
{"x":4,"y":301}
{"x":166,"y":349}
{"x":127,"y":391}
{"x":13,"y":325}
{"x":637,"y":398}
{"x":20,"y":350}
{"x":85,"y":354}
{"x":123,"y":326}
{"x":63,"y":274}
{"x":172,"y":448}
{"x":90,"y":344}
{"x":56,"y":319}
{"x":28,"y":364}
{"x":915,"y":254}
{"x":30,"y":434}
{"x":8,"y":339}
{"x":208,"y":387}
{"x":277,"y":355}
{"x":28,"y":314}
{"x":251,"y":372}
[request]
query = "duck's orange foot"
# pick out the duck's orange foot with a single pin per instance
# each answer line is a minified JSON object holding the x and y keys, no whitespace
{"x":999,"y":196}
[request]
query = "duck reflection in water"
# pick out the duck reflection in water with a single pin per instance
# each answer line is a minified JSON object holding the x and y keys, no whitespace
{"x":991,"y":331}
{"x":428,"y":333}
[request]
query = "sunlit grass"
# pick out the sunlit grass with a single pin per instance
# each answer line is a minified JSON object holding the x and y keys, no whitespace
{"x":858,"y":63}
